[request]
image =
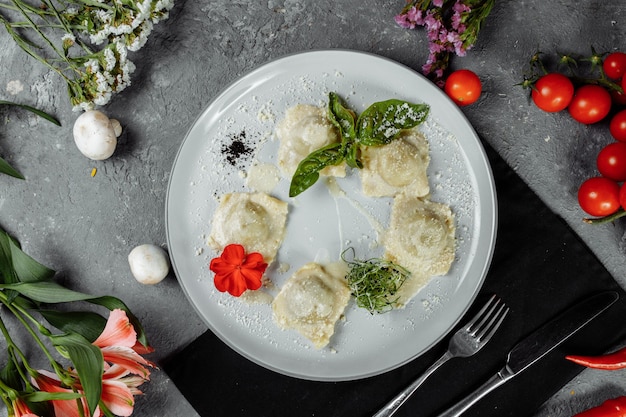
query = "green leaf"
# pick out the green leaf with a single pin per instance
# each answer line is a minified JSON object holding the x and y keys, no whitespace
{"x":41,"y":396}
{"x":34,"y":110}
{"x":28,"y":269}
{"x":344,"y":120}
{"x":85,"y":323}
{"x":308,"y":171}
{"x":383,"y":121}
{"x":51,"y":292}
{"x":7,"y":272}
{"x":10,"y":375}
{"x":89,"y":364}
{"x":47,"y":292}
{"x":341,"y":117}
{"x":6,"y":168}
{"x":16,"y":265}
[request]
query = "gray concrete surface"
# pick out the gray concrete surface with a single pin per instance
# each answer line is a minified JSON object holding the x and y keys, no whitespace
{"x":85,"y":226}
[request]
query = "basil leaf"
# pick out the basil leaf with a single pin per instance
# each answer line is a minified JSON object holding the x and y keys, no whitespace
{"x":89,"y":364}
{"x":352,"y":156}
{"x":344,"y":120}
{"x":383,"y":121}
{"x":341,"y":117}
{"x":308,"y":171}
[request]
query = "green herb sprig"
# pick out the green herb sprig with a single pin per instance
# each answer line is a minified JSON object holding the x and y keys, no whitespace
{"x":380,"y":124}
{"x":375,"y":282}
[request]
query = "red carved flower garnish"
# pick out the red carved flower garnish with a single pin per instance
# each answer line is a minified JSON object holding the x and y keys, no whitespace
{"x":235,"y":271}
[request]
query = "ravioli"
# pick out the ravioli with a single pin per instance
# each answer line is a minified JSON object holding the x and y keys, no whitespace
{"x":421,"y":239}
{"x":312,"y":300}
{"x":399,"y":166}
{"x":304,"y":129}
{"x":254,"y":220}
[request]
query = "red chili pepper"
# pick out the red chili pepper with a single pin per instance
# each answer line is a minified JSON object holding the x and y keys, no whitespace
{"x":615,"y":360}
{"x":615,"y":407}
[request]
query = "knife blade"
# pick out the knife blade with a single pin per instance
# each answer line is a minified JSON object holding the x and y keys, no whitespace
{"x":538,"y":344}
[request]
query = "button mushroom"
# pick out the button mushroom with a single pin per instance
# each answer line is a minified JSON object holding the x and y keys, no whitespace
{"x":149,"y":264}
{"x":96,"y":135}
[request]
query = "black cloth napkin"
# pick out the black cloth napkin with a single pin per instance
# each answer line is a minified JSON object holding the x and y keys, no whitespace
{"x":540,"y":267}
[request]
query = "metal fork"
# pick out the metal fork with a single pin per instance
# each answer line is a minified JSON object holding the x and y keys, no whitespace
{"x":465,"y":342}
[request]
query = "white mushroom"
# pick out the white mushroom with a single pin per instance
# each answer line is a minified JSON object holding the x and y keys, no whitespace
{"x":149,"y":264}
{"x":96,"y":135}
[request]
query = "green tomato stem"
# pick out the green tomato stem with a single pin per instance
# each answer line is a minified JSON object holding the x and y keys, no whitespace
{"x":606,"y":219}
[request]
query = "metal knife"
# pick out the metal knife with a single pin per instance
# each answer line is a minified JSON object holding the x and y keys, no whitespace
{"x":539,"y":344}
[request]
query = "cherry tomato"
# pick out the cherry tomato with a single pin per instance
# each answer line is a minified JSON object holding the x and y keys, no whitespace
{"x":463,"y":87}
{"x":599,"y":196}
{"x":618,"y":98}
{"x":553,"y":92}
{"x":614,"y":65}
{"x":611,"y":161}
{"x":591,"y":103}
{"x":617,"y":127}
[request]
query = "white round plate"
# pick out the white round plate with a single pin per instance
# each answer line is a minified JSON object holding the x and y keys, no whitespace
{"x":320,"y":224}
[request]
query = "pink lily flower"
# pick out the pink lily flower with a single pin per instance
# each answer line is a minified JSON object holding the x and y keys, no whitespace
{"x":20,"y":409}
{"x":50,"y":382}
{"x":124,"y":371}
{"x":118,"y":342}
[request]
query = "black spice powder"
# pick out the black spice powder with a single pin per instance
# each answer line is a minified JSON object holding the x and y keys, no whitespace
{"x":237,"y":149}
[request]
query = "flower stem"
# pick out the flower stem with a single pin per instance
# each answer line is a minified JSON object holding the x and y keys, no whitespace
{"x":20,"y":313}
{"x":14,"y":351}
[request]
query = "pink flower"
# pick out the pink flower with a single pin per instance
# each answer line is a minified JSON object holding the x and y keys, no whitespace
{"x":415,"y":16}
{"x":20,"y":409}
{"x":460,"y":7}
{"x":118,"y":389}
{"x":404,"y":22}
{"x":50,"y":382}
{"x":124,"y":371}
{"x":118,"y":343}
{"x":432,"y":23}
{"x":438,"y":3}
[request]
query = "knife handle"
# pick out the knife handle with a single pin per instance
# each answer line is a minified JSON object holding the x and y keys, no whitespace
{"x":463,"y":405}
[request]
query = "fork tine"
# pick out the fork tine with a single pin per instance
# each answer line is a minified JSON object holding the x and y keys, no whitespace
{"x":478,"y":315}
{"x":502,"y":312}
{"x":483,"y":324}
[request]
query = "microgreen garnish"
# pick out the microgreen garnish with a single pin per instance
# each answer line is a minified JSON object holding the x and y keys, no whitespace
{"x":380,"y":124}
{"x":375,"y":282}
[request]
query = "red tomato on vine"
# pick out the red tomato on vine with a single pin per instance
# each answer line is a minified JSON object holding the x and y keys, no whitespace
{"x":614,"y":65}
{"x":599,"y":196}
{"x":553,"y":92}
{"x":617,"y":127}
{"x":591,"y":103}
{"x":463,"y":87}
{"x":611,"y":161}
